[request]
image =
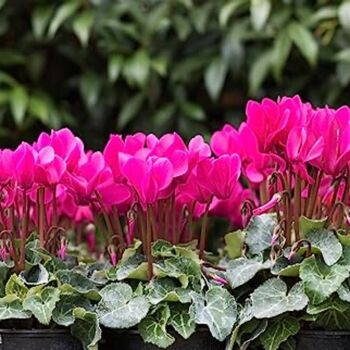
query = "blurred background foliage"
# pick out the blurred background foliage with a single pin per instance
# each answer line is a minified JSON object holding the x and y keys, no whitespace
{"x":102,"y":66}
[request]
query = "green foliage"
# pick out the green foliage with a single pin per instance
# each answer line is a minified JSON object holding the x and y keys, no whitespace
{"x":163,"y":65}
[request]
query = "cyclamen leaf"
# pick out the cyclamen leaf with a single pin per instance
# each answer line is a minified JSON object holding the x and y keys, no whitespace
{"x":11,"y":308}
{"x":241,"y":270}
{"x":63,"y":312}
{"x":166,"y":289}
{"x":35,"y":276}
{"x":259,"y":232}
{"x":254,"y":329}
{"x":278,"y":331}
{"x":162,"y":249}
{"x":118,"y":307}
{"x":153,"y":328}
{"x":320,"y":280}
{"x":271,"y":299}
{"x":182,"y":321}
{"x":344,"y":291}
{"x":42,"y":304}
{"x":86,"y":328}
{"x":283,"y":267}
{"x":309,"y":225}
{"x":234,"y":244}
{"x":217,"y":309}
{"x":135,"y":267}
{"x":327,"y":243}
{"x":74,"y":282}
{"x":333,"y":314}
{"x":16,"y":286}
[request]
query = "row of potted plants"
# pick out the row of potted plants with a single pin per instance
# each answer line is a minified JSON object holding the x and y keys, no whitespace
{"x":124,"y":246}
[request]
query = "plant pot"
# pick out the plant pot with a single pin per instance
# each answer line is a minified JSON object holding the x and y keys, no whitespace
{"x":323,"y":340}
{"x":132,"y":340}
{"x":38,"y":339}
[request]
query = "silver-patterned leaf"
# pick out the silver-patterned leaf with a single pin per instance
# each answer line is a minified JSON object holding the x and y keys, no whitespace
{"x":242,"y":270}
{"x":278,"y":331}
{"x":167,"y":289}
{"x":42,"y":303}
{"x":271,"y":299}
{"x":35,"y":276}
{"x":259,"y":232}
{"x":181,"y":320}
{"x":217,"y":309}
{"x":11,"y":308}
{"x":86,"y":328}
{"x":327,"y":243}
{"x":119,"y":308}
{"x":319,"y":280}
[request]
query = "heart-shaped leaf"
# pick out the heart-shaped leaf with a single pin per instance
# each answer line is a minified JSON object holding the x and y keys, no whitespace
{"x":320,"y":280}
{"x":153,"y":328}
{"x":119,"y":308}
{"x":167,"y":289}
{"x":86,"y":328}
{"x":259,"y":232}
{"x":36,"y":275}
{"x":328,"y":245}
{"x":63,"y":312}
{"x":11,"y":308}
{"x":217,"y":309}
{"x":74,"y":282}
{"x":181,"y":320}
{"x":242,"y":270}
{"x":271,"y":299}
{"x":234,"y":244}
{"x":332,"y":314}
{"x":278,"y":331}
{"x":284,"y":267}
{"x":16,"y":286}
{"x":42,"y":303}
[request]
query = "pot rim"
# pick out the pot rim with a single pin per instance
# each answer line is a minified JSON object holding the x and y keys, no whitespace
{"x":323,"y":332}
{"x":34,"y":331}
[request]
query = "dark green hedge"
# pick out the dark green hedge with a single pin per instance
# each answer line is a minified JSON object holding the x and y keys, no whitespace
{"x":104,"y":66}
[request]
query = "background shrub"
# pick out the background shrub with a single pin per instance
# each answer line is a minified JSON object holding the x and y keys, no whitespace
{"x":104,"y":66}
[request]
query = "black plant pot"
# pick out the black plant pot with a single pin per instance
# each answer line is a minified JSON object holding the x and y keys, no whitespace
{"x":38,"y":339}
{"x":131,"y":340}
{"x":323,"y":340}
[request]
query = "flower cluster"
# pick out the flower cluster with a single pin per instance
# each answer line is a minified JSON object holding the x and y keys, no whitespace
{"x":287,"y":157}
{"x":141,"y":187}
{"x":295,"y":158}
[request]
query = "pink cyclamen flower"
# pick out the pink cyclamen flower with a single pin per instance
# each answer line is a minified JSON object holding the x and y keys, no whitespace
{"x":62,"y":251}
{"x":220,"y":175}
{"x":149,"y":177}
{"x":276,"y":198}
{"x":302,"y":148}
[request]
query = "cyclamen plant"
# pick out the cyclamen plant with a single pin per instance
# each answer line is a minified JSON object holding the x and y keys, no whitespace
{"x":142,"y":208}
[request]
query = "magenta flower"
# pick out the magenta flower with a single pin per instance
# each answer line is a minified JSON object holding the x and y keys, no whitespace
{"x":24,"y":159}
{"x":62,"y":251}
{"x":276,"y":198}
{"x":149,"y":177}
{"x":302,"y":148}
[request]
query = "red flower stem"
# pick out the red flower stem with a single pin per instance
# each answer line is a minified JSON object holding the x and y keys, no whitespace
{"x":297,"y":206}
{"x":149,"y":242}
{"x":190,"y":222}
{"x":12,"y":220}
{"x":311,"y":202}
{"x":24,"y":232}
{"x":173,"y":220}
{"x":204,"y":231}
{"x":54,"y":207}
{"x":344,"y":198}
{"x":264,"y":192}
{"x":41,"y":223}
{"x":117,"y":227}
{"x":166,"y":219}
{"x":160,"y":218}
{"x":105,"y":215}
{"x":154,"y":224}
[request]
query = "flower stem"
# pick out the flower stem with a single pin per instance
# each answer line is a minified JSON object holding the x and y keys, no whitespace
{"x":297,"y":206}
{"x":24,"y":231}
{"x":149,"y":242}
{"x":204,"y":232}
{"x":41,"y":216}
